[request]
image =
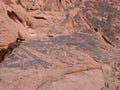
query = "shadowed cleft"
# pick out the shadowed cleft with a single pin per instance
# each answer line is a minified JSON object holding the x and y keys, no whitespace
{"x":14,"y":16}
{"x":107,"y":41}
{"x":2,"y":54}
{"x":6,"y":52}
{"x":40,"y":18}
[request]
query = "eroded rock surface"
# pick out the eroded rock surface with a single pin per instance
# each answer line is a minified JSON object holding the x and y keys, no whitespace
{"x":69,"y":45}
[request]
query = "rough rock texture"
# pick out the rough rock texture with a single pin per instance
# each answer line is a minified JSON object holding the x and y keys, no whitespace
{"x":69,"y":45}
{"x":9,"y":29}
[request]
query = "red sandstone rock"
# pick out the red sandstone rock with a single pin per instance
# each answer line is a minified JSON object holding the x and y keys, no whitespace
{"x":10,"y":30}
{"x":69,"y":45}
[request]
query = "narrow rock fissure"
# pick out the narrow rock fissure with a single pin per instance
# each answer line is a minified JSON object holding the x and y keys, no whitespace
{"x":14,"y":16}
{"x":107,"y":41}
{"x":40,"y":18}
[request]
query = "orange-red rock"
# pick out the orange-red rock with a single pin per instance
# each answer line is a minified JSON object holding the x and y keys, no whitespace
{"x":69,"y":45}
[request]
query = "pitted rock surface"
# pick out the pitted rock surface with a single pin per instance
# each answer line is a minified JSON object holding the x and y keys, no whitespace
{"x":68,"y":45}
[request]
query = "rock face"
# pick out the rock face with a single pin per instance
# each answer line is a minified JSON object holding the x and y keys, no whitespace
{"x":69,"y":45}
